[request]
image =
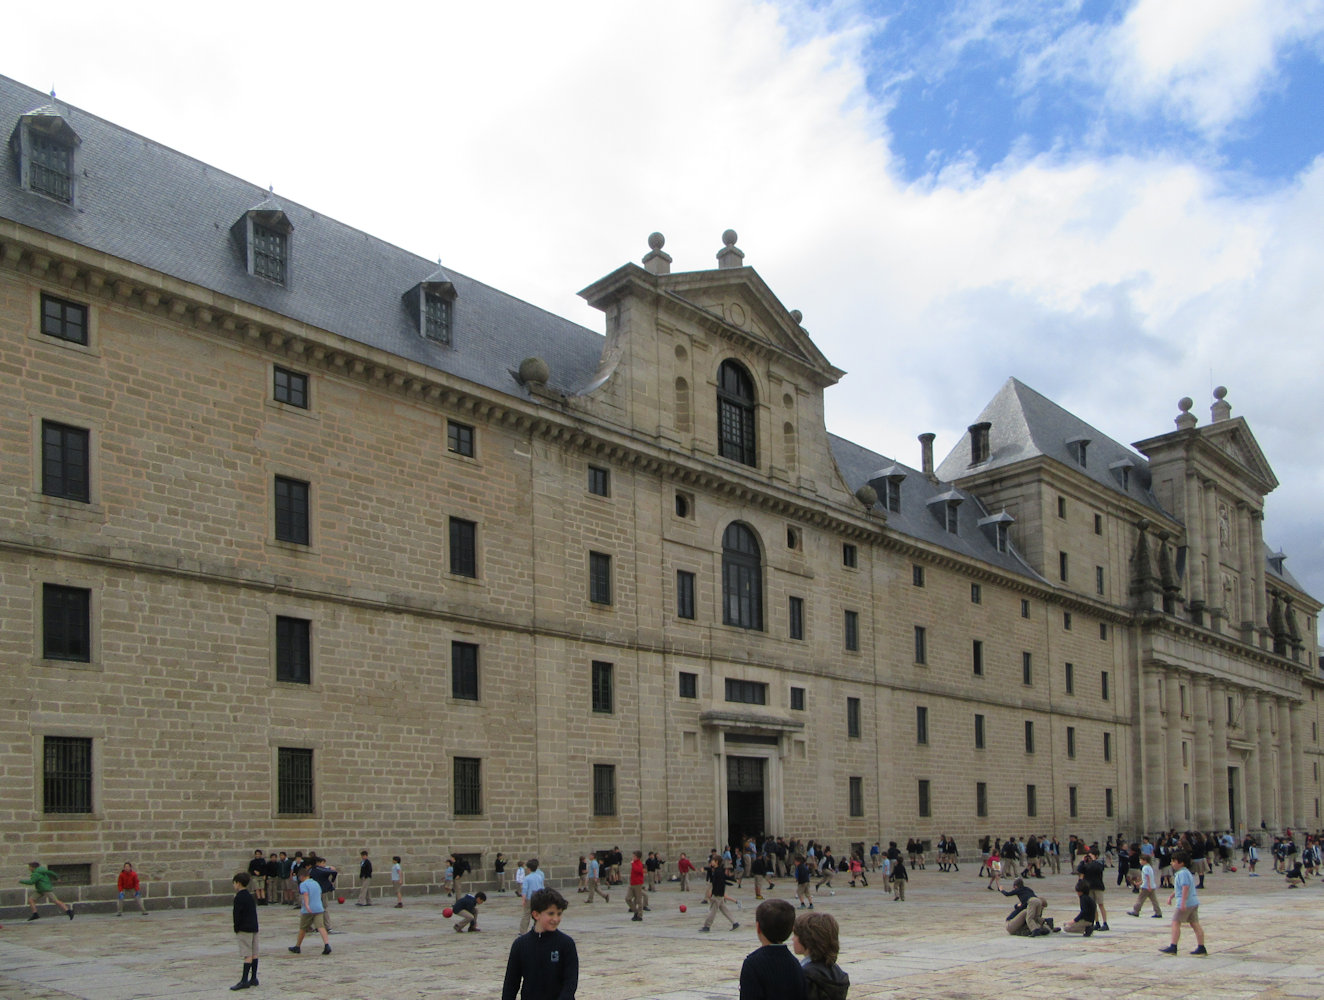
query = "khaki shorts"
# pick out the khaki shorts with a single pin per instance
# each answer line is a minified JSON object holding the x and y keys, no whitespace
{"x":247,"y":944}
{"x":43,"y":897}
{"x":1190,"y":915}
{"x":312,"y":921}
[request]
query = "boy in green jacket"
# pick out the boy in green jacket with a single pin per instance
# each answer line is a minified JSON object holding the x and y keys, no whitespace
{"x":43,"y":881}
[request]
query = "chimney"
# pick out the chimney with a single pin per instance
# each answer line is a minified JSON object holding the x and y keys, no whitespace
{"x":730,"y":255}
{"x":926,"y":455}
{"x":656,"y":261}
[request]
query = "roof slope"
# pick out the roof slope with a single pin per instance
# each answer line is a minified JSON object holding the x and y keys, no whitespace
{"x":146,"y":203}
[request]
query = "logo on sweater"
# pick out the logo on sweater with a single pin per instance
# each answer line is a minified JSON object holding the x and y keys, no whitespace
{"x":556,"y":956}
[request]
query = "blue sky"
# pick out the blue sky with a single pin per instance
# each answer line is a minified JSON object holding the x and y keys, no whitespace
{"x":1119,"y":203}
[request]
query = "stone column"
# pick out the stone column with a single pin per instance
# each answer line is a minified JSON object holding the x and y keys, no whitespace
{"x":1202,"y":806}
{"x":1269,"y":799}
{"x":1218,"y":757}
{"x":1250,"y":773}
{"x":1153,"y":754}
{"x":1287,"y":769}
{"x":1246,"y":592}
{"x":1257,"y":568}
{"x":1305,"y":813}
{"x":1212,"y":550}
{"x":1172,"y":755}
{"x":1196,"y":590}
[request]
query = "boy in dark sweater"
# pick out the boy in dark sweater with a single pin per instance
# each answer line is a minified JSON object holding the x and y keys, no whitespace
{"x":544,"y":959}
{"x":771,"y":972}
{"x":245,"y":930}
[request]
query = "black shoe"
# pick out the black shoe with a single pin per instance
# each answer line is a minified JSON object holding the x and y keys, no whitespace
{"x":35,"y":916}
{"x":1169,"y":950}
{"x":734,"y":926}
{"x":1105,"y":926}
{"x":326,"y":949}
{"x":1200,"y":951}
{"x":636,"y":917}
{"x":241,"y":985}
{"x":1040,"y":932}
{"x":295,"y":949}
{"x":69,"y":913}
{"x":1089,"y":931}
{"x":1156,"y":916}
{"x":705,"y":930}
{"x":1132,"y":913}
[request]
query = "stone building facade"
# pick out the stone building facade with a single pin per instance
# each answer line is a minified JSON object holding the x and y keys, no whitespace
{"x":308,"y":542}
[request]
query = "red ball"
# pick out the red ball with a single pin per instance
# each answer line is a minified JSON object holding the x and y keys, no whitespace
{"x":682,"y":907}
{"x":341,"y":899}
{"x":448,"y":912}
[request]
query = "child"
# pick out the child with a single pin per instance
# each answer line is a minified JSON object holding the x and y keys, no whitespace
{"x":816,"y":937}
{"x":1188,"y":905}
{"x":466,"y":908}
{"x":398,"y":880}
{"x":770,"y":972}
{"x":995,"y":870}
{"x":899,"y":880}
{"x":544,"y":959}
{"x":802,"y":892}
{"x":1089,"y":912}
{"x":857,"y":872}
{"x":245,"y":930}
{"x":312,"y":915}
{"x":128,"y":882}
{"x":43,"y":882}
{"x":449,"y":881}
{"x":499,"y":870}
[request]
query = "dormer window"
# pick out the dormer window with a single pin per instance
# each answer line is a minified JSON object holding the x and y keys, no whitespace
{"x":1079,"y":448}
{"x":265,"y":236}
{"x":46,"y":148}
{"x":431,"y":307}
{"x":892,"y":495}
{"x":998,"y":530}
{"x":979,"y":442}
{"x":945,"y":507}
{"x":887,"y":483}
{"x":1122,"y":470}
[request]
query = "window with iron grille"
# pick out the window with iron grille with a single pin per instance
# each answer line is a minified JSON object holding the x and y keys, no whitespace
{"x":270,"y":253}
{"x":599,"y":481}
{"x":468,"y":793}
{"x":1025,"y":608}
{"x":50,"y":167}
{"x":742,"y":578}
{"x":437,"y":317}
{"x":853,"y":729}
{"x":66,"y":623}
{"x":1107,"y":747}
{"x":1031,"y":800}
{"x":925,"y":805}
{"x":797,"y":699}
{"x":1071,"y":741}
{"x":921,"y":725}
{"x":796,"y":617}
{"x":951,"y":519}
{"x":852,"y":628}
{"x":1071,"y":678}
{"x":63,"y":320}
{"x":689,"y":685}
{"x":1098,"y":579}
{"x":294,"y":656}
{"x":981,"y":798}
{"x":1103,"y":685}
{"x":604,"y":789}
{"x":746,"y":692}
{"x":850,"y":555}
{"x":856,"y":796}
{"x":65,"y":462}
{"x":66,"y":774}
{"x":977,"y":657}
{"x":599,"y":578}
{"x":976,"y":594}
{"x":1066,"y":621}
{"x":291,"y":510}
{"x":979,"y":732}
{"x":917,"y":575}
{"x":290,"y":387}
{"x":1062,"y":565}
{"x":735,"y":414}
{"x":602,"y":687}
{"x":1029,"y":736}
{"x":464,"y":671}
{"x":294,"y":781}
{"x":921,"y":644}
{"x":1027,"y":668}
{"x":459,"y":439}
{"x":892,"y":495}
{"x":1098,"y":524}
{"x":464,"y":547}
{"x":684,"y":594}
{"x":1071,"y":801}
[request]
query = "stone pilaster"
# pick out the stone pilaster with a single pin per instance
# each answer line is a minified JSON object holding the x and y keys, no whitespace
{"x":1250,"y":714}
{"x":1245,"y":619}
{"x":1197,"y":592}
{"x":1172,"y":695}
{"x":1202,"y":805}
{"x":1152,"y":753}
{"x":1269,"y":800}
{"x":1287,"y":751}
{"x":1218,"y":757}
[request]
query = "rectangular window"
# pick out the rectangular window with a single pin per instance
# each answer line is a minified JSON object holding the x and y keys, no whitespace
{"x":294,"y":650}
{"x":464,"y":671}
{"x":925,"y":806}
{"x":65,"y":462}
{"x":921,"y":645}
{"x":270,"y":252}
{"x":1108,"y":802}
{"x":291,"y":510}
{"x":64,"y":320}
{"x":464,"y":548}
{"x":599,"y":578}
{"x":852,"y":630}
{"x":1098,"y":524}
{"x":1098,"y":579}
{"x":1181,"y":692}
{"x":797,"y":699}
{"x":289,"y":387}
{"x":604,"y":789}
{"x":294,"y":781}
{"x":976,"y":594}
{"x":599,"y":481}
{"x":437,"y":317}
{"x":1061,"y":506}
{"x":1029,"y":736}
{"x":1062,"y":565}
{"x":1066,"y":621}
{"x":468,"y":792}
{"x":1031,"y":800}
{"x":849,"y":555}
{"x":66,"y":774}
{"x":602,"y":684}
{"x":746,"y":692}
{"x":459,"y":439}
{"x":981,"y":798}
{"x":1071,"y":801}
{"x":892,"y":495}
{"x":1071,"y":741}
{"x":1027,"y":668}
{"x":689,"y":685}
{"x":921,"y":725}
{"x":685,"y":594}
{"x":1071,"y":678}
{"x":1025,"y":608}
{"x":66,"y":623}
{"x":977,"y":657}
{"x":51,"y":167}
{"x":856,"y":796}
{"x":796,"y":617}
{"x":917,"y":575}
{"x":1103,"y":685}
{"x":1103,"y":631}
{"x":1107,"y":747}
{"x":979,"y":732}
{"x":853,"y":718}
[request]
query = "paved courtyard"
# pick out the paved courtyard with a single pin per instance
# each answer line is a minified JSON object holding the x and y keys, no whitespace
{"x":945,"y":941}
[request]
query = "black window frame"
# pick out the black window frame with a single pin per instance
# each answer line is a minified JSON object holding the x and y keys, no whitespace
{"x":50,"y":166}
{"x":599,"y":578}
{"x":1027,"y":668}
{"x":737,"y":437}
{"x":854,"y":724}
{"x":294,"y":650}
{"x":1066,"y":621}
{"x":855,"y":796}
{"x":1104,"y":689}
{"x":1107,"y":748}
{"x":466,"y":674}
{"x":981,"y":799}
{"x":976,"y":594}
{"x":1073,"y":801}
{"x":922,"y":725}
{"x":1029,"y":736}
{"x":685,"y":607}
{"x":1098,"y":524}
{"x":460,"y":439}
{"x":925,"y":793}
{"x":851,"y":629}
{"x":742,"y":577}
{"x":977,"y":657}
{"x":270,"y":253}
{"x":981,"y":731}
{"x":1063,"y":566}
{"x":1108,"y":803}
{"x":688,"y":684}
{"x":1071,"y":742}
{"x":892,"y":495}
{"x":1099,"y":579}
{"x":467,"y":786}
{"x":1025,"y":607}
{"x":1031,"y":800}
{"x":850,"y":555}
{"x":289,"y":387}
{"x":604,"y":789}
{"x":66,"y":623}
{"x":1070,"y":678}
{"x":67,"y":775}
{"x":64,"y":320}
{"x":795,"y":614}
{"x":438,"y":317}
{"x":296,"y":781}
{"x":797,"y":699}
{"x":599,"y":481}
{"x":66,"y":461}
{"x":921,"y":644}
{"x":916,"y":575}
{"x":292,"y":500}
{"x":742,"y":692}
{"x":602,"y":688}
{"x":463,"y":549}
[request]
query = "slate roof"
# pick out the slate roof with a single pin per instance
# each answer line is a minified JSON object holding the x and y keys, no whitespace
{"x":917,"y":518}
{"x":146,"y":203}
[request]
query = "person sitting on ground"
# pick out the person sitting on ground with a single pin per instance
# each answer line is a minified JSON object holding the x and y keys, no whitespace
{"x":1295,"y":876}
{"x":1026,"y":918}
{"x":817,"y":937}
{"x":1084,"y":922}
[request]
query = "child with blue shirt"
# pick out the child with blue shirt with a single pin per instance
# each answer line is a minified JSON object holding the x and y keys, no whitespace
{"x":1188,"y":905}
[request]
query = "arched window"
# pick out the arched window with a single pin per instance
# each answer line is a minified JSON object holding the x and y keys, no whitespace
{"x":735,"y":414}
{"x":742,"y":578}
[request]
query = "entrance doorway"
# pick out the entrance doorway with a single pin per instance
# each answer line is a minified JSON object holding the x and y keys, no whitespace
{"x":1233,"y":800}
{"x":745,"y":798}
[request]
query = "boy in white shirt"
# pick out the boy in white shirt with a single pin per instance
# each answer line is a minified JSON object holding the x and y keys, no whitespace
{"x":1147,"y":887}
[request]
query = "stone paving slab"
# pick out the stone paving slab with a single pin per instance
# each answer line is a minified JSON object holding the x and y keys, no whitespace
{"x":944,"y":943}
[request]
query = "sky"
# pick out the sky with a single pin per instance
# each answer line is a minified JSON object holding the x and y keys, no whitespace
{"x":1119,"y":203}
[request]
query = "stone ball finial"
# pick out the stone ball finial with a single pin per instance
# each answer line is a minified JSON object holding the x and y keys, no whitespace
{"x":729,"y":237}
{"x":534,"y":371}
{"x":797,"y":315}
{"x":1185,"y":403}
{"x":867,"y":495}
{"x":1220,"y":392}
{"x":656,"y":241}
{"x":1185,"y":419}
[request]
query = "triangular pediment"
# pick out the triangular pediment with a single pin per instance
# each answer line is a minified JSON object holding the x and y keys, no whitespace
{"x":1233,"y":439}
